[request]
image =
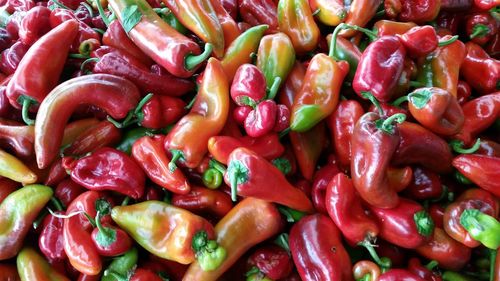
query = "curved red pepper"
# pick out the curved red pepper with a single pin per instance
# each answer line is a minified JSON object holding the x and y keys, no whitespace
{"x":202,"y":200}
{"x":480,"y":71}
{"x":101,"y":135}
{"x":114,"y":94}
{"x":489,"y":148}
{"x":481,"y":169}
{"x":321,"y":179}
{"x":17,"y":137}
{"x":399,"y":275}
{"x":317,"y":250}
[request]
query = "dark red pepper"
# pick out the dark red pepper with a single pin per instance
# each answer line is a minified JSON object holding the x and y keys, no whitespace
{"x":51,"y":239}
{"x":101,"y":135}
{"x":483,"y":170}
{"x":272,"y":261}
{"x":201,"y":200}
{"x":321,"y":179}
{"x":425,"y":272}
{"x":480,"y":27}
{"x":67,"y":190}
{"x":480,"y":71}
{"x":424,"y":185}
{"x":161,"y":111}
{"x":399,"y":275}
{"x":420,"y":40}
{"x":17,"y":137}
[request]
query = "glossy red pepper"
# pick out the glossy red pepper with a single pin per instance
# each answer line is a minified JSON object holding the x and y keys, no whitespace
{"x":101,"y":135}
{"x":480,"y":169}
{"x":486,"y":4}
{"x":424,"y":185}
{"x":317,"y":250}
{"x":272,"y":261}
{"x":489,"y":147}
{"x":17,"y":137}
{"x":34,"y":25}
{"x":360,"y":13}
{"x":479,"y":70}
{"x":161,"y":111}
{"x":51,"y":242}
{"x":202,"y":200}
{"x":480,"y":27}
{"x":261,"y":120}
{"x":12,"y":56}
{"x":420,"y":40}
{"x":249,"y":85}
{"x":321,"y":179}
{"x":229,"y":26}
{"x":425,"y":272}
{"x":259,"y":12}
{"x":56,"y":173}
{"x":399,"y":275}
{"x":464,"y":92}
{"x":308,"y":147}
{"x":7,"y":186}
{"x":67,"y":190}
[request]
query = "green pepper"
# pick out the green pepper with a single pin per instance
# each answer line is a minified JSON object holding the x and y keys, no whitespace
{"x":122,"y":265}
{"x":482,"y":227}
{"x":167,"y":16}
{"x":131,"y":136}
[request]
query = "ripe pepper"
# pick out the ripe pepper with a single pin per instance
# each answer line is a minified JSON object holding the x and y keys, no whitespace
{"x":17,"y":137}
{"x":481,"y":227}
{"x":360,"y":13}
{"x":161,"y":111}
{"x":10,"y":272}
{"x":151,"y":157}
{"x":370,"y":160}
{"x":425,"y":184}
{"x":32,"y":266}
{"x":12,"y":56}
{"x":67,"y":190}
{"x":50,"y":240}
{"x":420,"y":146}
{"x":364,"y":268}
{"x":331,"y":13}
{"x":296,"y":20}
{"x":76,"y":128}
{"x":7,"y":187}
{"x":200,"y":17}
{"x":392,"y":28}
{"x":100,"y":135}
{"x":47,"y":56}
{"x":480,"y":169}
{"x":34,"y":25}
{"x":251,"y":215}
{"x":167,"y":47}
{"x":203,"y":200}
{"x":238,"y":53}
{"x":479,"y":70}
{"x":189,"y":137}
{"x":420,"y":41}
{"x":317,"y":250}
{"x":275,"y":58}
{"x":182,"y":237}
{"x":15,"y":169}
{"x":346,"y":50}
{"x":249,"y":174}
{"x":261,"y":120}
{"x":120,"y":63}
{"x":321,"y":179}
{"x":415,"y":267}
{"x":449,"y":253}
{"x":270,"y":260}
{"x":267,"y":146}
{"x":115,"y":95}
{"x":399,"y":274}
{"x":480,"y":113}
{"x":307,"y":148}
{"x":17,"y":212}
{"x":341,"y":124}
{"x":248,"y":86}
{"x":228,"y":24}
{"x":259,"y":12}
{"x":486,"y":4}
{"x":480,"y":27}
{"x":131,"y":136}
{"x":319,"y":94}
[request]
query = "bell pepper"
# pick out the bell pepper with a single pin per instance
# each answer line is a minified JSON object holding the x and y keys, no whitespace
{"x":319,"y":94}
{"x":47,"y":56}
{"x":238,"y":52}
{"x":32,"y":266}
{"x":480,"y":169}
{"x":203,"y":200}
{"x":18,"y":211}
{"x":480,"y":113}
{"x":275,"y":58}
{"x":415,"y":267}
{"x":183,"y":237}
{"x":249,"y":174}
{"x":360,"y":13}
{"x":317,"y":250}
{"x":480,"y":27}
{"x":271,"y":261}
{"x":248,"y":86}
{"x":441,"y":68}
{"x":481,"y":227}
{"x":67,"y":190}
{"x":120,"y":63}
{"x":296,"y":20}
{"x":50,"y":240}
{"x":18,"y":137}
{"x":100,"y":135}
{"x":151,"y":157}
{"x":321,"y":179}
{"x":251,"y":215}
{"x":189,"y":137}
{"x":479,"y":70}
{"x":407,"y":225}
{"x":261,"y":120}
{"x":115,"y":95}
{"x":341,"y":124}
{"x":370,"y":160}
{"x":167,"y":47}
{"x":259,"y":12}
{"x":228,"y":24}
{"x":12,"y":56}
{"x":331,"y":13}
{"x":34,"y":25}
{"x":268,"y":146}
{"x":121,"y":265}
{"x":15,"y":169}
{"x":470,"y":199}
{"x":420,"y":146}
{"x":161,"y":111}
{"x":399,"y":274}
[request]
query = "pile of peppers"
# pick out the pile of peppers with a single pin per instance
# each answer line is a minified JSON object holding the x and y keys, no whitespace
{"x":257,"y":140}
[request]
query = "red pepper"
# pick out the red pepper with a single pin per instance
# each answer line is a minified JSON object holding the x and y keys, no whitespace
{"x":141,"y":274}
{"x":480,"y":113}
{"x":424,"y":185}
{"x":122,"y":242}
{"x":480,"y":71}
{"x":249,"y":85}
{"x":267,"y":146}
{"x":493,"y":46}
{"x":17,"y":137}
{"x":364,"y":268}
{"x":480,"y":27}
{"x":7,"y":187}
{"x":420,"y":41}
{"x":34,"y":25}
{"x":463,"y":92}
{"x":256,"y":12}
{"x":67,"y":190}
{"x":202,"y":200}
{"x":486,"y":4}
{"x":415,"y":267}
{"x":360,"y":13}
{"x":480,"y":169}
{"x":399,"y":274}
{"x":9,"y":271}
{"x":317,"y":250}
{"x":231,"y":6}
{"x":12,"y":56}
{"x":115,"y":95}
{"x":407,"y":225}
{"x":249,"y":174}
{"x":51,"y":242}
{"x":228,"y":24}
{"x":262,"y":119}
{"x":100,"y":135}
{"x":321,"y":179}
{"x":418,"y":11}
{"x":272,"y":261}
{"x":308,"y":147}
{"x":240,"y":113}
{"x":161,"y":111}
{"x":489,"y":148}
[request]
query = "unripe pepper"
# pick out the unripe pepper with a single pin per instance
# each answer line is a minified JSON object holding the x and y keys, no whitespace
{"x":32,"y":266}
{"x":331,"y":13}
{"x":15,"y":169}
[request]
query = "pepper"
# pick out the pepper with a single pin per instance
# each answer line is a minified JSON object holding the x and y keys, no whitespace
{"x":479,"y":70}
{"x":268,"y":146}
{"x":228,"y":24}
{"x":489,"y":148}
{"x":331,"y":13}
{"x":480,"y":169}
{"x":249,"y":174}
{"x":10,"y":272}
{"x":7,"y":187}
{"x":47,"y":56}
{"x":121,"y":265}
{"x":251,"y":215}
{"x":203,"y":200}
{"x":50,"y":240}
{"x":189,"y":137}
{"x":341,"y":124}
{"x":425,"y":185}
{"x":360,"y":13}
{"x":238,"y":52}
{"x":399,"y":274}
{"x":296,"y":20}
{"x":76,"y":128}
{"x":271,"y":261}
{"x":259,"y":12}
{"x":15,"y":169}
{"x":321,"y":179}
{"x":32,"y":266}
{"x":346,"y":50}
{"x":120,"y":63}
{"x":480,"y":113}
{"x":485,"y":4}
{"x":17,"y":137}
{"x":151,"y":156}
{"x":12,"y":56}
{"x":275,"y":58}
{"x":392,"y":28}
{"x":425,"y":272}
{"x":34,"y":25}
{"x":420,"y":41}
{"x":420,"y":146}
{"x":115,"y":95}
{"x":67,"y":190}
{"x":200,"y":17}
{"x":100,"y":135}
{"x":176,"y":53}
{"x":183,"y":237}
{"x":365,"y":268}
{"x":17,"y":212}
{"x":249,"y":85}
{"x":131,"y":136}
{"x":261,"y":120}
{"x":319,"y":94}
{"x":317,"y":250}
{"x":449,"y":253}
{"x":480,"y":27}
{"x":481,"y":227}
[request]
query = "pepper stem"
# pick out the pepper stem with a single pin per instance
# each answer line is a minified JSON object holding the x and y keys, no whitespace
{"x":129,"y":119}
{"x":448,"y":42}
{"x":387,"y":125}
{"x":57,"y":203}
{"x":106,"y":236}
{"x":61,"y":5}
{"x":115,"y":275}
{"x":479,"y":30}
{"x":371,"y":97}
{"x":217,"y":165}
{"x":238,"y":173}
{"x":424,"y":222}
{"x":333,"y":45}
{"x":86,"y":62}
{"x":482,"y":227}
{"x":400,"y":100}
{"x":209,"y":253}
{"x":26,"y":102}
{"x":176,"y":156}
{"x":274,"y":88}
{"x":191,"y":61}
{"x":458,"y":146}
{"x":105,"y":19}
{"x":432,"y":264}
{"x":384,"y":263}
{"x":191,"y":103}
{"x":212,"y":178}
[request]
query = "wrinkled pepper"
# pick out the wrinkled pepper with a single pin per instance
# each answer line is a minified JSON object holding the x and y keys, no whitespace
{"x":480,"y":71}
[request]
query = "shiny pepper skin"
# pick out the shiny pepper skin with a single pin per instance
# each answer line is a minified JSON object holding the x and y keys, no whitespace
{"x":262,"y":119}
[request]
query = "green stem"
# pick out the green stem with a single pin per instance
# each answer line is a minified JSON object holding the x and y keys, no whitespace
{"x":57,"y":203}
{"x":387,"y":124}
{"x":61,"y":5}
{"x":217,"y":165}
{"x":125,"y":201}
{"x":89,"y":8}
{"x":26,"y":102}
{"x":87,"y":61}
{"x":383,"y":263}
{"x":115,"y":275}
{"x":192,"y":61}
{"x":105,"y":19}
{"x":432,"y":264}
{"x":493,"y":258}
{"x":448,"y":42}
{"x":78,"y":56}
{"x":284,"y":132}
{"x":212,"y":178}
{"x":274,"y":88}
{"x":176,"y":156}
{"x":4,"y":17}
{"x":479,"y":30}
{"x":191,"y":103}
{"x":416,"y":84}
{"x":371,"y":97}
{"x":457,"y":146}
{"x":400,"y":100}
